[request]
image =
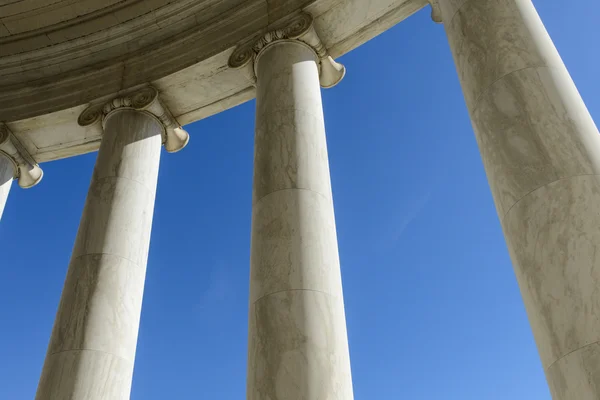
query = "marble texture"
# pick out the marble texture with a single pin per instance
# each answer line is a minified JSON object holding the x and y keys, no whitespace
{"x":286,"y":257}
{"x":531,"y":133}
{"x":575,"y":375}
{"x":492,"y":39}
{"x":298,"y":347}
{"x":541,"y":152}
{"x":92,"y":347}
{"x":6,"y":178}
{"x":553,"y":238}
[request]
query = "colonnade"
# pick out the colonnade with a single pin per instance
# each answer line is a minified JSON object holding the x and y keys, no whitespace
{"x":541,"y":152}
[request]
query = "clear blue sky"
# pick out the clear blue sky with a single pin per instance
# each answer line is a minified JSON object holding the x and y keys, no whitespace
{"x":432,"y":304}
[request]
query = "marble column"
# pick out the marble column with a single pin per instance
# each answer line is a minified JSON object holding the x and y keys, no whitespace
{"x":6,"y":178}
{"x":93,"y":343}
{"x":541,"y":152}
{"x":298,"y":347}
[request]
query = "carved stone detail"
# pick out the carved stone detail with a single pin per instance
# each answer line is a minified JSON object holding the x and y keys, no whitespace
{"x":436,"y":12}
{"x":146,"y":99}
{"x":299,"y":28}
{"x":26,"y":170}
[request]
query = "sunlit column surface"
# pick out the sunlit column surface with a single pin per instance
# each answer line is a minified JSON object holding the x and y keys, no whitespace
{"x":298,"y":347}
{"x":92,"y":348}
{"x":6,"y":178}
{"x":541,"y":152}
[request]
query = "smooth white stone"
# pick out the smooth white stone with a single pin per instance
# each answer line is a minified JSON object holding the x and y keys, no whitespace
{"x":298,"y":346}
{"x":541,"y":152}
{"x":6,"y":178}
{"x":93,"y":343}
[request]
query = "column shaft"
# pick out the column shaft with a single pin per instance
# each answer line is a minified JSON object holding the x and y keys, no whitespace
{"x":6,"y":178}
{"x":92,"y":348}
{"x":298,"y":346}
{"x":541,"y":152}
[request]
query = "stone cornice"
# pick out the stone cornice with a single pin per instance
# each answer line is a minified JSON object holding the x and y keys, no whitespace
{"x":299,"y":28}
{"x":146,"y":99}
{"x":25,"y":168}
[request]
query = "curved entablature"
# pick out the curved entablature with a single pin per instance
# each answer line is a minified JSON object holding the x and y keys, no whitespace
{"x":87,"y":52}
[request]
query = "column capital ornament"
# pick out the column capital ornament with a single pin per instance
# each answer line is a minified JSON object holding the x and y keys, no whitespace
{"x":146,"y":99}
{"x":436,"y":12}
{"x":301,"y":28}
{"x":26,"y":170}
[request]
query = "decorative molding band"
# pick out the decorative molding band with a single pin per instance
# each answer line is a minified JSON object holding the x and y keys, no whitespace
{"x":299,"y":28}
{"x":146,"y":99}
{"x":436,"y":12}
{"x":26,"y":170}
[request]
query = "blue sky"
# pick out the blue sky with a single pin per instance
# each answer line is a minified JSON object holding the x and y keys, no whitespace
{"x":432,"y":304}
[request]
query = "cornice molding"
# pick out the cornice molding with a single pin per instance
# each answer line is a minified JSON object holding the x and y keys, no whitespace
{"x":301,"y":28}
{"x":26,"y":170}
{"x":146,"y":99}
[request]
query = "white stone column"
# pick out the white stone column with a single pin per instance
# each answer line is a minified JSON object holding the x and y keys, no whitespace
{"x":92,"y":348}
{"x":541,"y":152}
{"x":298,"y":347}
{"x":15,"y":162}
{"x":6,"y":178}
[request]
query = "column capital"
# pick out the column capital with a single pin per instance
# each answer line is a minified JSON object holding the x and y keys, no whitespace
{"x":146,"y":100}
{"x":26,"y":170}
{"x":436,"y":12}
{"x":300,"y":28}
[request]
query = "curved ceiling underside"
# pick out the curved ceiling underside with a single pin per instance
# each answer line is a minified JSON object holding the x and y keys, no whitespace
{"x":57,"y":56}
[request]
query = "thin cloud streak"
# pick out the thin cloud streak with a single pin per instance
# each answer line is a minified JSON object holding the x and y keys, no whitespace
{"x":408,"y":215}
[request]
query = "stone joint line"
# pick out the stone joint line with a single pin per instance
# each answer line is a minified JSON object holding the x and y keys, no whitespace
{"x":135,"y":264}
{"x":93,"y":351}
{"x":491,"y":85}
{"x":107,"y":177}
{"x":543,"y":186}
{"x":571,"y":352}
{"x":284,"y":189}
{"x":294,"y":290}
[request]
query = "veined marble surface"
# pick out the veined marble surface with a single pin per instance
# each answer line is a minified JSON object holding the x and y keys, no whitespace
{"x":541,"y":152}
{"x":93,"y":343}
{"x":297,"y":346}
